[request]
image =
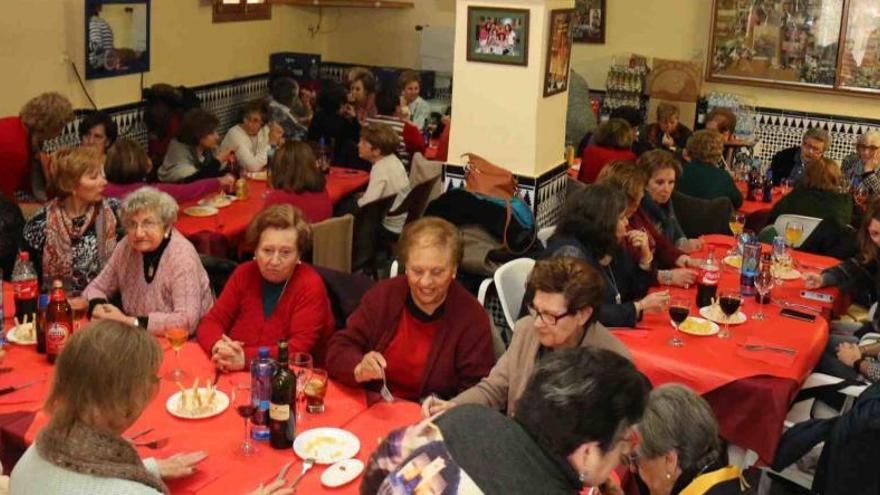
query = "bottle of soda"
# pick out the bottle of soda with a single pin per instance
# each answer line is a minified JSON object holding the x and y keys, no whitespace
{"x":42,"y":307}
{"x":262,"y":370}
{"x":59,"y":321}
{"x":282,"y":410}
{"x":24,"y":285}
{"x":751,"y":260}
{"x":707,"y":283}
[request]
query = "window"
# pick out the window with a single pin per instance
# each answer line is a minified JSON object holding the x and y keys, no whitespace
{"x":241,"y":10}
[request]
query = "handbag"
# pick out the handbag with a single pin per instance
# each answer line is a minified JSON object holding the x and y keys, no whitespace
{"x":483,"y":177}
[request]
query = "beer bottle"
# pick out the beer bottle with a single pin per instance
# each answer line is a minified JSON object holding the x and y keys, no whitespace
{"x":59,"y":321}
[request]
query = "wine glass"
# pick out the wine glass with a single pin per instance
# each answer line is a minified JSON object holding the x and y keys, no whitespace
{"x":244,"y":406}
{"x":177,"y":337}
{"x":763,"y":284}
{"x":793,"y":233}
{"x":679,"y":308}
{"x":302,"y":363}
{"x":737,"y":223}
{"x":729,"y":301}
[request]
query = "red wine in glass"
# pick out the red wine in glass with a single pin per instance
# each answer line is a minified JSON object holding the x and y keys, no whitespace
{"x":729,"y":303}
{"x":678,"y":314}
{"x":246,"y":411}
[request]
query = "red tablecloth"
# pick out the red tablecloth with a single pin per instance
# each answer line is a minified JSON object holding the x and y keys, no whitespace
{"x":750,"y":392}
{"x":222,"y":471}
{"x":750,"y":207}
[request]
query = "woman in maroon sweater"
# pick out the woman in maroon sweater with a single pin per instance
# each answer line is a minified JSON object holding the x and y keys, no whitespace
{"x":274,"y":297}
{"x":424,"y":332}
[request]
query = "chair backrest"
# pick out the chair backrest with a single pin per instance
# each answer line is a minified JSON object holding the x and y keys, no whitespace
{"x":416,"y":201}
{"x":421,"y":170}
{"x":219,"y":270}
{"x":699,"y":216}
{"x":367,"y":221}
{"x":809,"y":223}
{"x":331,"y":243}
{"x":510,"y":284}
{"x":546,"y":233}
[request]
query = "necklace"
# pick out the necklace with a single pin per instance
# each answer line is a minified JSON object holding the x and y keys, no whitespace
{"x":613,"y":280}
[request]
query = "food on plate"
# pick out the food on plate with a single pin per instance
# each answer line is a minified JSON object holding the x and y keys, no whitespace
{"x":196,"y":401}
{"x":217,"y":201}
{"x":734,"y":261}
{"x":697,"y":326}
{"x":325,"y":447}
{"x":24,"y":332}
{"x":200,"y":211}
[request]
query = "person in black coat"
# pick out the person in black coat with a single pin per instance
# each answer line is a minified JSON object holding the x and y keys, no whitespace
{"x":336,"y":123}
{"x":789,"y":163}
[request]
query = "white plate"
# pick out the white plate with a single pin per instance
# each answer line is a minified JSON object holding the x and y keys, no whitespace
{"x":217,"y":201}
{"x":201,"y":211}
{"x":734,"y":260}
{"x":714,"y":313}
{"x":341,"y":473}
{"x":713,"y":327}
{"x":262,"y":175}
{"x":326,"y":445}
{"x":220,"y":403}
{"x":785,"y":273}
{"x":12,"y":337}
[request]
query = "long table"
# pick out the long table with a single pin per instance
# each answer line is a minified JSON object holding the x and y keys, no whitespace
{"x":750,"y":391}
{"x":223,"y":471}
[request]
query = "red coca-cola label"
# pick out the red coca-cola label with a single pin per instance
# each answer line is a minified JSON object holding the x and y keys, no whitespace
{"x":710,"y":277}
{"x":56,"y":337}
{"x":25,"y":289}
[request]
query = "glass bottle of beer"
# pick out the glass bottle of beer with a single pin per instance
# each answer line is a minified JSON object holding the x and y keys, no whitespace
{"x":59,"y":321}
{"x":282,"y":409}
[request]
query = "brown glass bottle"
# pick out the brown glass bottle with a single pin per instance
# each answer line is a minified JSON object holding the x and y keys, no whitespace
{"x":59,"y":321}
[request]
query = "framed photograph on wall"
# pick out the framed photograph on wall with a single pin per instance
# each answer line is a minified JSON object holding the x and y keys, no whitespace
{"x":860,"y":54}
{"x":558,"y":52}
{"x":498,"y":36}
{"x":589,"y":21}
{"x":117,"y":37}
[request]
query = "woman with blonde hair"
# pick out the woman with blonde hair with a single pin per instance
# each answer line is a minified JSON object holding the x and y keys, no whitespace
{"x":25,"y":166}
{"x":817,"y":195}
{"x":74,"y":234}
{"x":296,"y":180}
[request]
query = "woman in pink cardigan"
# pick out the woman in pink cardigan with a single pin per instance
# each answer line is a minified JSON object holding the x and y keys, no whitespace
{"x":155,"y":270}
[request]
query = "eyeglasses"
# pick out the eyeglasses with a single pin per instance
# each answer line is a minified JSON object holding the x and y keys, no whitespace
{"x":549,"y":318}
{"x":145,"y":225}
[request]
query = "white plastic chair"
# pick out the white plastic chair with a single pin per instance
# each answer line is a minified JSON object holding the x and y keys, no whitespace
{"x":545,"y":234}
{"x":809,"y":224}
{"x":510,"y":283}
{"x":395,"y":266}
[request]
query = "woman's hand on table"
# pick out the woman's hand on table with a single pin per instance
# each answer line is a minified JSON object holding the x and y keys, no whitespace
{"x":655,"y":301}
{"x":179,"y":465}
{"x":683,"y":277}
{"x":848,"y":353}
{"x":813,"y":280}
{"x":273,"y":488}
{"x":226,"y":181}
{"x":434,"y":405}
{"x":110,"y":312}
{"x":690,"y":245}
{"x":228,"y":354}
{"x":371,"y":367}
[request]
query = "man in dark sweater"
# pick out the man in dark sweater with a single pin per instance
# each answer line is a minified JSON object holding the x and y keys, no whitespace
{"x":789,"y":163}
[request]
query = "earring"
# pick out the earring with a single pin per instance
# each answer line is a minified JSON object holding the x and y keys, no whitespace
{"x":582,"y":476}
{"x":669,"y":476}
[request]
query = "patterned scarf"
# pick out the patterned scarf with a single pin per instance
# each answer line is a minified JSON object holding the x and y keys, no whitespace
{"x":61,"y":234}
{"x":87,"y":450}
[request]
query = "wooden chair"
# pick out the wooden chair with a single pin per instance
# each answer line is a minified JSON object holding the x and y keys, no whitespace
{"x":331,"y":243}
{"x":416,"y":201}
{"x":367,"y":223}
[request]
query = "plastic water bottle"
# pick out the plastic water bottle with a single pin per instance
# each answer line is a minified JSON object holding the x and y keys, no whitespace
{"x":24,"y":283}
{"x":262,"y":370}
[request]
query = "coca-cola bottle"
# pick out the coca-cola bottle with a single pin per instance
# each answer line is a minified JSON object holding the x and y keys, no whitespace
{"x":24,"y":285}
{"x":59,"y":321}
{"x":707,"y":284}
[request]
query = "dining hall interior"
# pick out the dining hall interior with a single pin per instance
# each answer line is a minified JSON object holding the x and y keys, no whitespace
{"x":440,"y":246}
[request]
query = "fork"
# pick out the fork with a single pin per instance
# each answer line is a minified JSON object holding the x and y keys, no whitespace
{"x":759,"y":347}
{"x":154,"y":444}
{"x":384,"y":392}
{"x":307,"y":464}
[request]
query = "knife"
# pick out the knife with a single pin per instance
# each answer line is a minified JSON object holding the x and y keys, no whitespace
{"x":13,"y":388}
{"x":7,"y":369}
{"x":283,"y":472}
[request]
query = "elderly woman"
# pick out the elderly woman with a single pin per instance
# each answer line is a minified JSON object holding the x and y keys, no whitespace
{"x":680,"y":451}
{"x":253,"y":138}
{"x":104,"y":379}
{"x":790,"y":162}
{"x":128,"y":167}
{"x":817,"y":195}
{"x":572,"y":426}
{"x":74,"y":234}
{"x":276,"y":296}
{"x":663,"y":170}
{"x":194,"y":154}
{"x":668,"y":132}
{"x":863,"y":165}
{"x":296,"y":180}
{"x":155,"y":270}
{"x":99,"y":130}
{"x":723,"y":121}
{"x":628,"y":177}
{"x":362,"y":92}
{"x":592,"y":227}
{"x":613,"y":141}
{"x":567,"y":293}
{"x":287,"y":110}
{"x":702,"y":177}
{"x":422,"y":333}
{"x":21,"y":142}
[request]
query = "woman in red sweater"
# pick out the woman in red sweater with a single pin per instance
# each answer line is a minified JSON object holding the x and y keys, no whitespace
{"x":274,"y":297}
{"x":423,"y":332}
{"x":612,"y":141}
{"x":296,"y":180}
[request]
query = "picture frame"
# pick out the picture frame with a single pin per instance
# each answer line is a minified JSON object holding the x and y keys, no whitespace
{"x":589,"y":21}
{"x":498,"y":35}
{"x":117,"y":37}
{"x":559,"y":41}
{"x":860,"y":51}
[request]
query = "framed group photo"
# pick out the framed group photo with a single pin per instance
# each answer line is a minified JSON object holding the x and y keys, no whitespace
{"x":589,"y":21}
{"x":498,"y":36}
{"x":558,"y":52}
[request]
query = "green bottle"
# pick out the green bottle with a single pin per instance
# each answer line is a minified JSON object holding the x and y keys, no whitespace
{"x":282,"y":409}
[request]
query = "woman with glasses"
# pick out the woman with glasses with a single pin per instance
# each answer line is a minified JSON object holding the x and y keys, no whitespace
{"x":562,"y":315}
{"x":156,"y":272}
{"x":276,"y":296}
{"x":862,"y":166}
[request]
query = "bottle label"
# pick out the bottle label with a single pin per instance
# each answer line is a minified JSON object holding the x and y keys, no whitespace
{"x":56,"y":336}
{"x":279,"y":412}
{"x":25,"y":289}
{"x":710,"y":277}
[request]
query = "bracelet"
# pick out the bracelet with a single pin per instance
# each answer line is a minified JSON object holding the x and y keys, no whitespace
{"x":665,"y":276}
{"x":857,"y":365}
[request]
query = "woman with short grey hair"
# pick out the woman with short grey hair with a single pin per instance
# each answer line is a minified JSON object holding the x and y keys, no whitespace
{"x":153,"y":261}
{"x":863,"y":166}
{"x":680,"y":450}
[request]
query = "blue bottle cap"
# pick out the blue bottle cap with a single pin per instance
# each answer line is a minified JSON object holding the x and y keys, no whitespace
{"x":263,"y":352}
{"x":43,"y":301}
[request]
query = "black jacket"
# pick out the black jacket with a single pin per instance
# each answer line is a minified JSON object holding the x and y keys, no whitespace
{"x":783,"y":163}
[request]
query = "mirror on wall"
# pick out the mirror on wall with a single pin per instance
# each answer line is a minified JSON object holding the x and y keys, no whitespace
{"x":117,"y":37}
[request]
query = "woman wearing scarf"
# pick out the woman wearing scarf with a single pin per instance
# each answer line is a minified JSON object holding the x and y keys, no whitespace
{"x":73,"y":236}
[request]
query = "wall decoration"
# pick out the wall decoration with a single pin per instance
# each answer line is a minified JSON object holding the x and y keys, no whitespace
{"x":589,"y":21}
{"x":117,"y":37}
{"x":558,"y":52}
{"x":499,"y":36}
{"x":824,"y":45}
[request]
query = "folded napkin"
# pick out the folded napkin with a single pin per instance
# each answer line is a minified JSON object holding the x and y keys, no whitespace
{"x":775,"y":358}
